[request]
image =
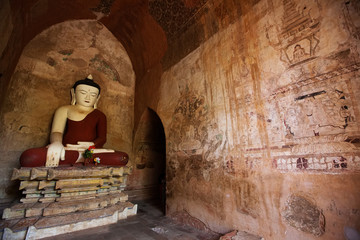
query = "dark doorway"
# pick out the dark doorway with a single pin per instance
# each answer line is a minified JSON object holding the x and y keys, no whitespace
{"x":148,"y":180}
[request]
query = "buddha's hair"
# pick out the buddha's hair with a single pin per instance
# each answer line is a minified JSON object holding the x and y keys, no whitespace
{"x":88,"y":82}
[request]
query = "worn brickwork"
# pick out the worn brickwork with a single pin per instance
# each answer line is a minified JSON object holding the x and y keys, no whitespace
{"x":303,"y":215}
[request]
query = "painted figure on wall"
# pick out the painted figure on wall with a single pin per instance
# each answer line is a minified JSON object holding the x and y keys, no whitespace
{"x":76,"y":128}
{"x":299,"y":53}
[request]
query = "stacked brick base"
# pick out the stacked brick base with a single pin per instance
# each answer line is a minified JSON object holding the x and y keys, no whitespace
{"x":64,"y":200}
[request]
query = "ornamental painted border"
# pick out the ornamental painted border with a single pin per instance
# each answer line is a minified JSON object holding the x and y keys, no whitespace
{"x":334,"y":163}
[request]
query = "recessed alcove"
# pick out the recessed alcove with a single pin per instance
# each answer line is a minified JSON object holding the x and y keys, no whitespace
{"x":48,"y":67}
{"x":148,"y":180}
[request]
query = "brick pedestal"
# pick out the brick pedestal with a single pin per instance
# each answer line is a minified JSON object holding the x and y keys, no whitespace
{"x":61,"y":200}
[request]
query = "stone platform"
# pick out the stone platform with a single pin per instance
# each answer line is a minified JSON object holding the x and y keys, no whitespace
{"x":62,"y":200}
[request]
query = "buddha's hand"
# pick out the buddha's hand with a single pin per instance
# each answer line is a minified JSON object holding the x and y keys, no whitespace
{"x":80,"y":146}
{"x":55,"y":152}
{"x":86,"y":144}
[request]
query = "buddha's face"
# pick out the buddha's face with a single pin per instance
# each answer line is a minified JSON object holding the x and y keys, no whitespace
{"x":86,"y":95}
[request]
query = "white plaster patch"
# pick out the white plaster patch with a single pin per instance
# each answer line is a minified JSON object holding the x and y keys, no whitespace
{"x":160,"y":230}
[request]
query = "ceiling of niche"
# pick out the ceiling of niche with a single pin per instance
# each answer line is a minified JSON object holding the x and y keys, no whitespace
{"x":144,"y":27}
{"x":174,"y":15}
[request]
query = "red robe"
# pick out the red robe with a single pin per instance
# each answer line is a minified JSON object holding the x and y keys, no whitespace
{"x":91,"y":129}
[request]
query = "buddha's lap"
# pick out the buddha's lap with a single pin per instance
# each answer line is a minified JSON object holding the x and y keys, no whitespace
{"x":36,"y":157}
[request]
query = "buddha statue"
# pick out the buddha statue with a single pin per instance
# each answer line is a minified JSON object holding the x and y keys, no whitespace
{"x":75,"y":128}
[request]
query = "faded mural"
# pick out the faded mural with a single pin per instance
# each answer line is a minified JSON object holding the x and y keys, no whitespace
{"x":269,"y":117}
{"x":194,"y":135}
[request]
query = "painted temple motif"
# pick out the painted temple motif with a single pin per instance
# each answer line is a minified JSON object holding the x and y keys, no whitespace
{"x":298,"y":37}
{"x":315,"y":108}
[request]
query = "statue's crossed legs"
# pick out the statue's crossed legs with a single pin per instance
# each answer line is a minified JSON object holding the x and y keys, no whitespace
{"x":36,"y":157}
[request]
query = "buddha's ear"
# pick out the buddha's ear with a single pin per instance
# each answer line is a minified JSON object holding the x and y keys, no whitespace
{"x":97,"y":100}
{"x":73,"y":98}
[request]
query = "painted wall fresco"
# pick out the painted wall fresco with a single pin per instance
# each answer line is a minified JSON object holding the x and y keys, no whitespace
{"x":267,"y":109}
{"x":189,"y":133}
{"x":314,"y":96}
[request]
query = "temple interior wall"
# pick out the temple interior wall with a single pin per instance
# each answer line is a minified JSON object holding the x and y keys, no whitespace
{"x":258,"y":102}
{"x":263,"y":117}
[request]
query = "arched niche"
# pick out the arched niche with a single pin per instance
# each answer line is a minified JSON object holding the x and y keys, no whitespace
{"x":148,"y":178}
{"x":49,"y":65}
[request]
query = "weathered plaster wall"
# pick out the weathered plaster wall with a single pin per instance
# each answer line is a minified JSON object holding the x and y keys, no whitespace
{"x":47,"y":69}
{"x":262,"y":120}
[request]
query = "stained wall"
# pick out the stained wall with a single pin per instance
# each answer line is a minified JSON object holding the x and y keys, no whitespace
{"x":262,"y":119}
{"x":48,"y":67}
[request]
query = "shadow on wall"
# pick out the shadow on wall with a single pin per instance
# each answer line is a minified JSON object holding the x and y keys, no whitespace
{"x":148,"y":178}
{"x":351,"y":234}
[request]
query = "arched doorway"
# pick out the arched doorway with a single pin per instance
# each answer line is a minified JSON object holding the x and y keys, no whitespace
{"x":147,"y":181}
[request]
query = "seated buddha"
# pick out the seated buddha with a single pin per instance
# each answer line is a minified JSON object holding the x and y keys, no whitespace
{"x":75,"y":128}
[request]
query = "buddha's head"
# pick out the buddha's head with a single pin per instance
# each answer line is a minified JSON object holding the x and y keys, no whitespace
{"x":85,"y":93}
